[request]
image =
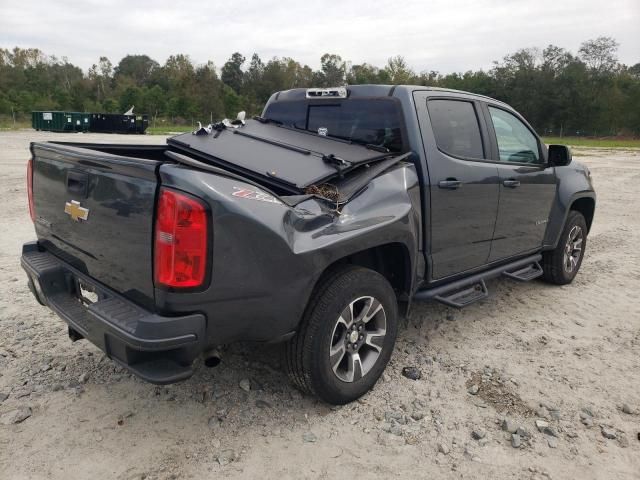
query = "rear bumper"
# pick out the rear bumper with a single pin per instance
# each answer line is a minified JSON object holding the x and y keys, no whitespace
{"x":157,"y":349}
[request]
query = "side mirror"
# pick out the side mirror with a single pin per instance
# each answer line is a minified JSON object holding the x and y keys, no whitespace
{"x":559,"y":155}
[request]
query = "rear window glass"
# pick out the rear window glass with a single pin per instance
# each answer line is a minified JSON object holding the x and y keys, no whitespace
{"x":369,"y":121}
{"x":455,"y":126}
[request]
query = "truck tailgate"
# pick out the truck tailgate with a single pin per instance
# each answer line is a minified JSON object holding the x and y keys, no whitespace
{"x":95,"y":211}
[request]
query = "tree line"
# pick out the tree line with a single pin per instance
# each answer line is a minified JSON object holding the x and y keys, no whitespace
{"x":584,"y":93}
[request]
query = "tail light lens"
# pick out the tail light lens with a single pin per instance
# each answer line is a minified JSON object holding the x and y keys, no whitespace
{"x":180,"y":240}
{"x":32,"y":210}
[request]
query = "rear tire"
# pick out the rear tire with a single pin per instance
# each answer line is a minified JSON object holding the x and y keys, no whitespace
{"x":346,"y":336}
{"x":561,"y":265}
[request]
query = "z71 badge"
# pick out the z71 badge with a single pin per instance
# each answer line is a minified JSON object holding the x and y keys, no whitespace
{"x":254,"y":195}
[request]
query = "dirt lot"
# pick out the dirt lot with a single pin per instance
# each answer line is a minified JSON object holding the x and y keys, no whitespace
{"x":569,"y":356}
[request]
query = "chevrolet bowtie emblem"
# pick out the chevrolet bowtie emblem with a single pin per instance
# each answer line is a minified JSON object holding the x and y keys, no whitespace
{"x":75,"y":211}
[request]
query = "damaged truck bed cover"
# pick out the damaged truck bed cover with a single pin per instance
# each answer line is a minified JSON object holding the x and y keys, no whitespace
{"x":286,"y":159}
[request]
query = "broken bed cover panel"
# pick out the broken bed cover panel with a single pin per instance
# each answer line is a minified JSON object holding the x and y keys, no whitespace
{"x":278,"y":156}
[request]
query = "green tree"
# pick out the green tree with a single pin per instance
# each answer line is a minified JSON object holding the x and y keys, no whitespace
{"x":332,"y":72}
{"x":232,"y":74}
{"x":139,"y":68}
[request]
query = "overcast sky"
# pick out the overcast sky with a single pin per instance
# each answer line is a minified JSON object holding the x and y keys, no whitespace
{"x":443,"y":35}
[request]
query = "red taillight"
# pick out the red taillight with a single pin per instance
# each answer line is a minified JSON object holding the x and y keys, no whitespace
{"x":32,"y":210}
{"x":180,"y":240}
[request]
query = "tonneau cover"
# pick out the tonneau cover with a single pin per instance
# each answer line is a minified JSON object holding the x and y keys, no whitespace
{"x":280,"y":156}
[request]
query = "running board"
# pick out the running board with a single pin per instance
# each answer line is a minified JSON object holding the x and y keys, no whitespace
{"x":463,"y":292}
{"x":465,"y":296}
{"x":526,"y":273}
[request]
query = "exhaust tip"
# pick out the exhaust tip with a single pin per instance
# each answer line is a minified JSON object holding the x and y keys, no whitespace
{"x":212,"y":358}
{"x":212,"y":361}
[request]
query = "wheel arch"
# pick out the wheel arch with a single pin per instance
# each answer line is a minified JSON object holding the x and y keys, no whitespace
{"x":583,"y":202}
{"x":391,"y":260}
{"x":586,"y":206}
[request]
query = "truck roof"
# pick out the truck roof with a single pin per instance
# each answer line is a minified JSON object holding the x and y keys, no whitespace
{"x":373,"y":90}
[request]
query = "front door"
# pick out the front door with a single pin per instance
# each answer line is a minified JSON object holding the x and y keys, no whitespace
{"x":527,"y":185}
{"x":463,"y":184}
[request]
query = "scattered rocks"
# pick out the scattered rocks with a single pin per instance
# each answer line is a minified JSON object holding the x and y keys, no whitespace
{"x":245,"y":384}
{"x":225,"y":457}
{"x":623,"y":441}
{"x":545,"y":427}
{"x":417,"y":415}
{"x":541,"y":425}
{"x":393,"y":428}
{"x":516,"y":441}
{"x":412,"y":373}
{"x":626,"y":408}
{"x":3,"y":396}
{"x":509,"y":425}
{"x":263,"y":404}
{"x":542,"y":412}
{"x":586,"y":419}
{"x":552,"y":442}
{"x":497,"y":391}
{"x":15,"y":416}
{"x":608,"y":432}
{"x":309,"y":437}
{"x":391,"y":417}
{"x":83,"y":378}
{"x":478,"y":433}
{"x":443,"y":449}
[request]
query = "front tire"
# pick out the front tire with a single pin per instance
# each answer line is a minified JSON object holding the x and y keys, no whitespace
{"x":346,"y":337}
{"x":561,"y":265}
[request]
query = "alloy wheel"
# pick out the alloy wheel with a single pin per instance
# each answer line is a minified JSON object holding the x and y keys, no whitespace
{"x":357,"y":339}
{"x":573,"y":249}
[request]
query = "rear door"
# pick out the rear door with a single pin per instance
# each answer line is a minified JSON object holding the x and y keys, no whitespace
{"x":527,"y":184}
{"x":464,"y":184}
{"x":95,"y":211}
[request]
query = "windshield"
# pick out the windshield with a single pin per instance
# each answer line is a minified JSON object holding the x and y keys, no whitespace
{"x":371,"y":121}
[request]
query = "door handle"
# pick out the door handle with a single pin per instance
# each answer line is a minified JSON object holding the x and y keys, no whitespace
{"x":450,"y":183}
{"x":511,"y":183}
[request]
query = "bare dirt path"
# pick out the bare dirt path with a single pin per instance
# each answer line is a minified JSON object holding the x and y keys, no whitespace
{"x":568,"y":356}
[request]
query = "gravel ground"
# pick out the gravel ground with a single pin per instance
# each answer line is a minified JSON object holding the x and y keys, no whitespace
{"x":537,"y":382}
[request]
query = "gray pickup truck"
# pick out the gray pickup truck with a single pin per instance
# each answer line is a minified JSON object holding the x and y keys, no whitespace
{"x":316,"y":224}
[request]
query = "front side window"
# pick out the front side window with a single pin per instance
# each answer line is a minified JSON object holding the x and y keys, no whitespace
{"x":516,"y":143}
{"x":455,"y":126}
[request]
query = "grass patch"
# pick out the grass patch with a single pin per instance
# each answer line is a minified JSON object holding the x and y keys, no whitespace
{"x":594,"y":142}
{"x":7,"y":124}
{"x":169,"y":129}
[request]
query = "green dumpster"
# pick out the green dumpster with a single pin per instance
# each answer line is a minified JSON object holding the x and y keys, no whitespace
{"x":60,"y":121}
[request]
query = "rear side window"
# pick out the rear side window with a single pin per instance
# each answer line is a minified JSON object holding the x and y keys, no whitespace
{"x":516,"y":143}
{"x":455,"y":126}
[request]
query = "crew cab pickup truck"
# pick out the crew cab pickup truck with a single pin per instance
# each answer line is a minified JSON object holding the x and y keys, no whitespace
{"x":315,"y":224}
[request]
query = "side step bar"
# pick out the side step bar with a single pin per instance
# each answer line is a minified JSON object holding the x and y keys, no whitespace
{"x":526,"y":273}
{"x":463,"y":292}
